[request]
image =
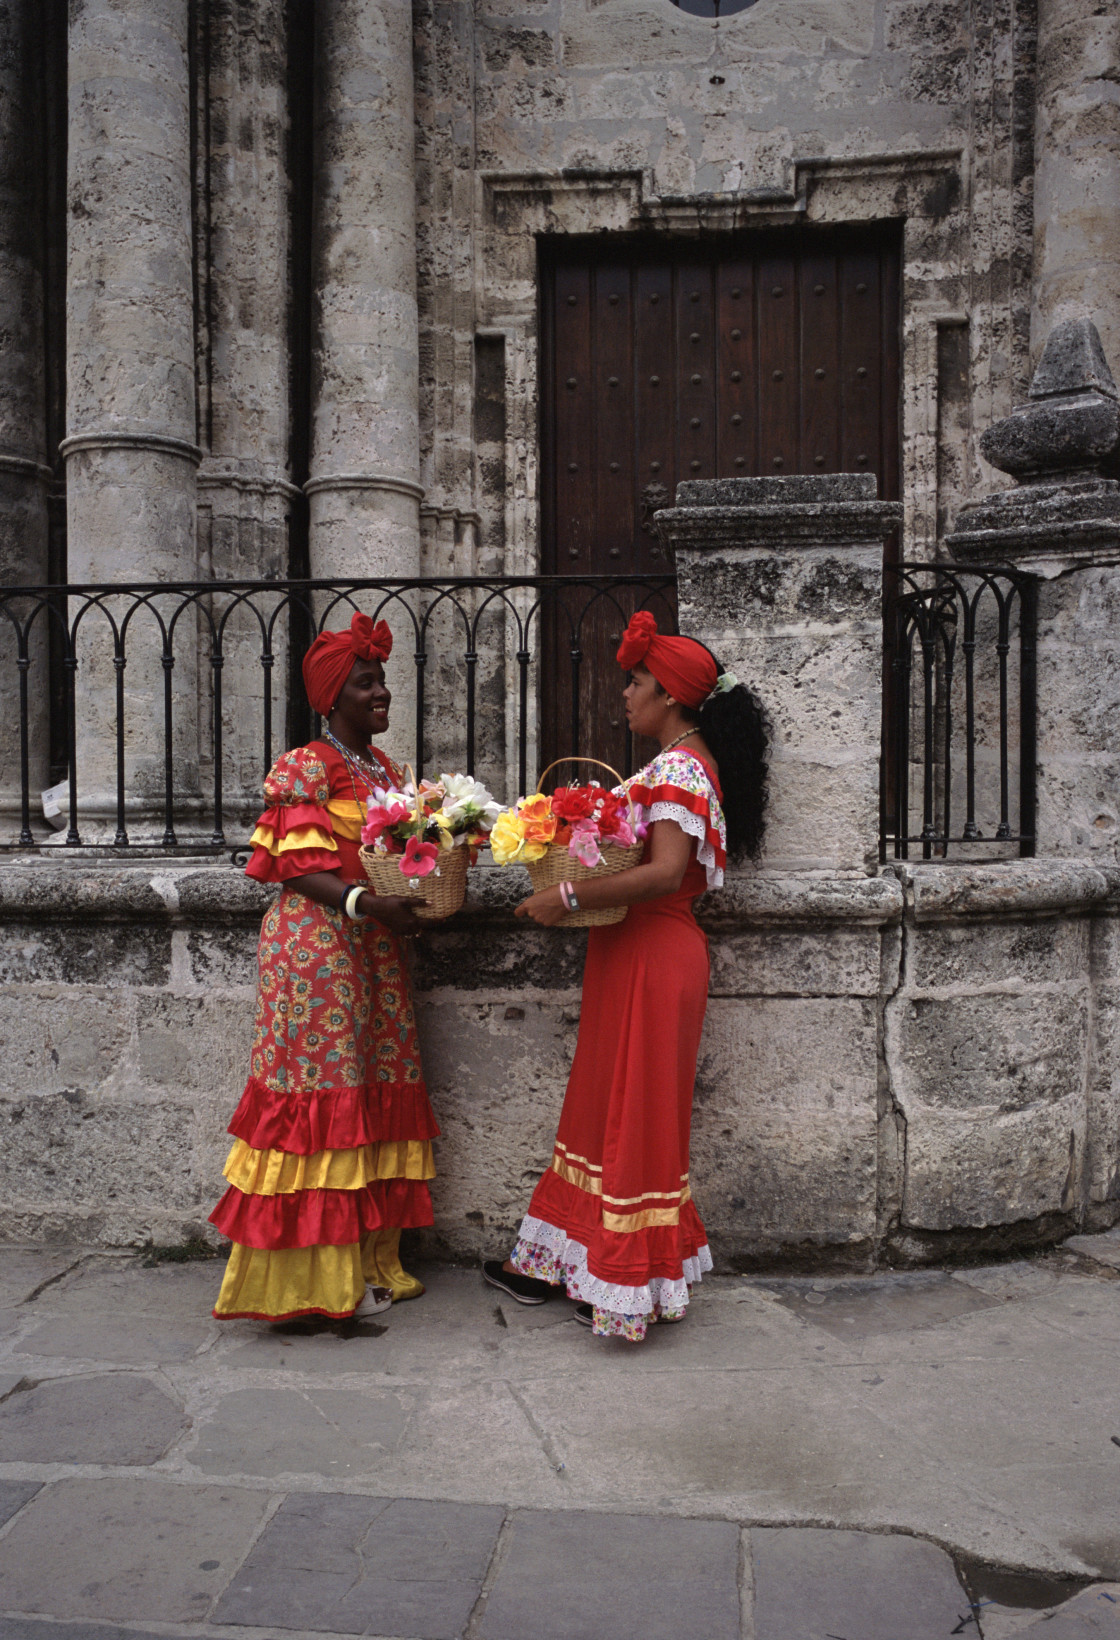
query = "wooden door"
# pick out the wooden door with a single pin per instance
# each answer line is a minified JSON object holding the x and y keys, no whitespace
{"x":714,"y":358}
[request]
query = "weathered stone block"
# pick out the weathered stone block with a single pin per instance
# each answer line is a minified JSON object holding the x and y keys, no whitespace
{"x":994,"y":1053}
{"x":833,"y":961}
{"x":86,"y":953}
{"x":1052,"y":951}
{"x":56,"y":1037}
{"x":172,"y":1029}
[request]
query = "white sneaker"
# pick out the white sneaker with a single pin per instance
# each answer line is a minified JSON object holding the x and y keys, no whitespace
{"x":375,"y":1300}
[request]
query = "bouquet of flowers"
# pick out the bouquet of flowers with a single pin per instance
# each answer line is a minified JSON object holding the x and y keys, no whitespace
{"x":420,"y":831}
{"x":577,"y":833}
{"x":579,"y":818}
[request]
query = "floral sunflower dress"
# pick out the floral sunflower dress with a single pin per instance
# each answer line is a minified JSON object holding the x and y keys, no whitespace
{"x":612,"y":1218}
{"x":332,"y":1139}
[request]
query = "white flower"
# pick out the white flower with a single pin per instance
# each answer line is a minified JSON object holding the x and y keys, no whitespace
{"x":467,"y":799}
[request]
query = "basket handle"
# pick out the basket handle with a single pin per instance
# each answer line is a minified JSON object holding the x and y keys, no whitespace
{"x":598,"y":761}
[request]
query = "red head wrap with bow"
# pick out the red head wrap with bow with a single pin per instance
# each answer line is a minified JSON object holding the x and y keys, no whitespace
{"x":326,"y":666}
{"x":680,"y":665}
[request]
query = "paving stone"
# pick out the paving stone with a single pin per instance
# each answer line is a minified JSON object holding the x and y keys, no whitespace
{"x":105,"y":1286}
{"x":136,"y":1339}
{"x":574,"y":1575}
{"x":867,"y":1306}
{"x":369,"y":1566}
{"x":28,"y":1628}
{"x":810,"y":1582}
{"x":1094,"y":1614}
{"x":23,"y":1269}
{"x":330,"y":1432}
{"x":1105,"y":1249}
{"x":118,"y":1418}
{"x":136,"y":1549}
{"x":13,"y":1496}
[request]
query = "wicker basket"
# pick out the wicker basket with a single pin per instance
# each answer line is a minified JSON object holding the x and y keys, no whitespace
{"x":434,"y":896}
{"x":558,"y":866}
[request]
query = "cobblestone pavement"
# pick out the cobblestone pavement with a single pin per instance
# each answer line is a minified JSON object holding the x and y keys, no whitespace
{"x":805,"y":1459}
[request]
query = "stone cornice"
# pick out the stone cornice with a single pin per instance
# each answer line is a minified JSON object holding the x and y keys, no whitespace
{"x":942,"y":891}
{"x":811,"y":524}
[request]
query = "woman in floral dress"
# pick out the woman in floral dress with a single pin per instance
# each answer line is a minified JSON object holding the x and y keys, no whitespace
{"x":332,"y":1139}
{"x":612,"y":1218}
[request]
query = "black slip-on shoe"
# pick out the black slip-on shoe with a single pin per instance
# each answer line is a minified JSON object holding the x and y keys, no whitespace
{"x":584,"y":1314}
{"x":525,"y":1289}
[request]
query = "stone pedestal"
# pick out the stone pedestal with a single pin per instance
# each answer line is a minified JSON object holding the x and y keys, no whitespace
{"x":23,"y":470}
{"x":1063,"y":523}
{"x":782,"y":578}
{"x":1077,"y":169}
{"x":365,"y":487}
{"x":131,"y":450}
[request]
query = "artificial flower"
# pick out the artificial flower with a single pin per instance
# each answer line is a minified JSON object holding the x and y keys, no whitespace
{"x":507,"y":839}
{"x":584,"y":845}
{"x":380,"y":817}
{"x":572,"y":802}
{"x":535,"y":814}
{"x":418,"y":858}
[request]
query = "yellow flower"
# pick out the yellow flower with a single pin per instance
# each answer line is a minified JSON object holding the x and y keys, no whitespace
{"x":507,"y":838}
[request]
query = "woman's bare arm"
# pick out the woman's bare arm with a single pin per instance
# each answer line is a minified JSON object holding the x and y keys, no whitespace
{"x":661,"y":874}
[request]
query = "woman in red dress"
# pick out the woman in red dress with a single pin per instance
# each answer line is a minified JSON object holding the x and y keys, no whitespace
{"x":332,"y":1138}
{"x":613,"y":1219}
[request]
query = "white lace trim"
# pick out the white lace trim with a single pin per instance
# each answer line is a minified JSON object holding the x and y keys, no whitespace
{"x":588,"y":1289}
{"x":693,"y":825}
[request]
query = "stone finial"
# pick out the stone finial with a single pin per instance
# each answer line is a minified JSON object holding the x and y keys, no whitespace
{"x":1073,"y":361}
{"x":1071,"y":423}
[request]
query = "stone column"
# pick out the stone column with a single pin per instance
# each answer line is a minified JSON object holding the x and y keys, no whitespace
{"x":1077,"y":169}
{"x":23,"y":470}
{"x":131,"y":450}
{"x":365,"y":461}
{"x":1063,"y":523}
{"x":783,"y":579}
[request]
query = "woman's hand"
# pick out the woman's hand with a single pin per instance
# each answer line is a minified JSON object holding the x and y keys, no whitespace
{"x":393,"y":911}
{"x":545,"y":908}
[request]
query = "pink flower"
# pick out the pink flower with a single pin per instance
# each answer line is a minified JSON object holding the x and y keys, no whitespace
{"x":418,"y":858}
{"x":584,"y":845}
{"x":381,"y":817}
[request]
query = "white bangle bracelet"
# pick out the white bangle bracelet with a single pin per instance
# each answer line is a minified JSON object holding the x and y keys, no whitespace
{"x":349,"y":903}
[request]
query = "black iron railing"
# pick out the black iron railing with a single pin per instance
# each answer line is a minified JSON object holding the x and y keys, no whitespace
{"x":960,"y":711}
{"x":227,"y":653}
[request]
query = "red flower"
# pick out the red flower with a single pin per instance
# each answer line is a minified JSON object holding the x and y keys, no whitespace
{"x":573,"y":802}
{"x":418,"y":858}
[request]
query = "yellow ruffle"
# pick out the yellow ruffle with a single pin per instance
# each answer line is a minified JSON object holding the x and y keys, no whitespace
{"x":381,"y":1265}
{"x":292,"y":1281}
{"x":276,"y":1173}
{"x":348,"y":817}
{"x":298,"y":837}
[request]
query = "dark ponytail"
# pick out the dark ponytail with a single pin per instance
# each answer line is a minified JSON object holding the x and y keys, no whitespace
{"x":734,"y":727}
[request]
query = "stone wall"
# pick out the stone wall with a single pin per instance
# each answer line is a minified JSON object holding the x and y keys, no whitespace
{"x":896,"y":1067}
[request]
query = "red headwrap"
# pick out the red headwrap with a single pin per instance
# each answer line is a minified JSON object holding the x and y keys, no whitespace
{"x":680,"y":665}
{"x":326,"y":666}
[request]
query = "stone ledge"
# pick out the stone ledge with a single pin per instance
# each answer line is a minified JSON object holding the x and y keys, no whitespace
{"x":1005,"y":888}
{"x":190,"y":894}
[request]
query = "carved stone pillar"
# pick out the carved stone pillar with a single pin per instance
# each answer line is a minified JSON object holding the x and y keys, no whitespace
{"x":1077,"y":169}
{"x":783,"y":579}
{"x":131,"y":451}
{"x":23,"y":470}
{"x":1063,"y":522}
{"x":365,"y":463}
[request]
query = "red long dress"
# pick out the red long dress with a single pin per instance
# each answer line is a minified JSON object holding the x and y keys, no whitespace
{"x":332,"y":1138}
{"x":613,"y":1217}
